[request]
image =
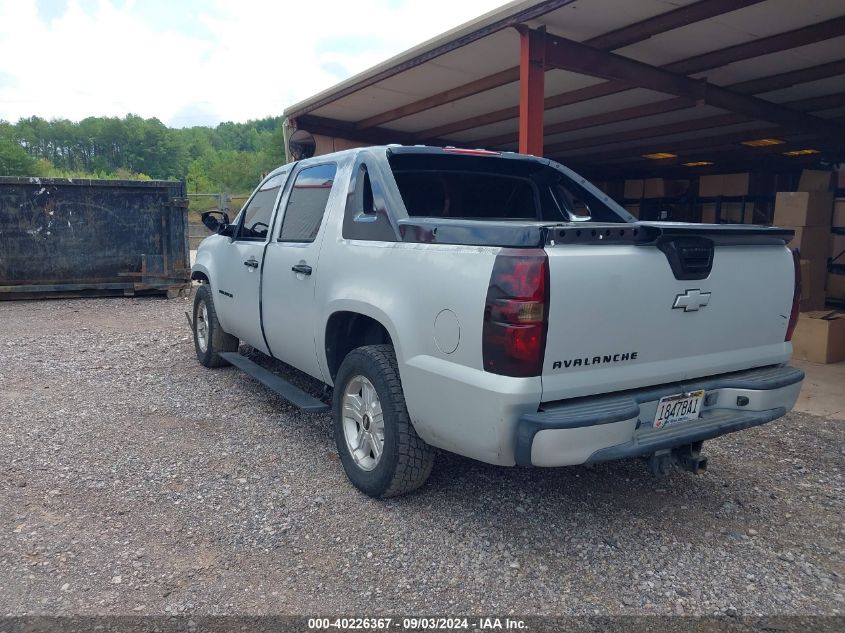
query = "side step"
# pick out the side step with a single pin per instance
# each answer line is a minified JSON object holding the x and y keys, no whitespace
{"x":289,"y":392}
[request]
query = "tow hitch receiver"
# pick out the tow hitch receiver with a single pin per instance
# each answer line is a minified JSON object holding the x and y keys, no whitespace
{"x":687,"y":457}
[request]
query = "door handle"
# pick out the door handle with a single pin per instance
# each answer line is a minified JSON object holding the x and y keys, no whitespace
{"x":251,"y":263}
{"x":305,"y":269}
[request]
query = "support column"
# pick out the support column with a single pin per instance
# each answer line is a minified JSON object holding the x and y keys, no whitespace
{"x":532,"y":70}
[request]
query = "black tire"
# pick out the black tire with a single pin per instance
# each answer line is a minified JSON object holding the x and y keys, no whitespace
{"x":406,"y":460}
{"x":218,"y":340}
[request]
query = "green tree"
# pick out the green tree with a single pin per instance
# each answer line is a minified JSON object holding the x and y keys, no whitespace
{"x":14,"y":160}
{"x":230,"y":157}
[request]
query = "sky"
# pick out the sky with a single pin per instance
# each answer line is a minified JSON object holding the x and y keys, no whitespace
{"x":200,"y":62}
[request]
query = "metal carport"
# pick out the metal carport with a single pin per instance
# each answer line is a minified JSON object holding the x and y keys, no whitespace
{"x":600,"y":84}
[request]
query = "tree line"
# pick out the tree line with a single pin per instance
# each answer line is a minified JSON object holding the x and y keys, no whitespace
{"x":230,"y":157}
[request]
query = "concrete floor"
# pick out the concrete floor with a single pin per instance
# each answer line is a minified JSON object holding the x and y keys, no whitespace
{"x":823,"y":393}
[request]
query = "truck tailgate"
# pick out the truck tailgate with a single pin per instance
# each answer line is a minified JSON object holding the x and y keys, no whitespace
{"x":619,"y":318}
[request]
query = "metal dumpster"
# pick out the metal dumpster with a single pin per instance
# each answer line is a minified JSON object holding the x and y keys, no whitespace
{"x":63,"y":237}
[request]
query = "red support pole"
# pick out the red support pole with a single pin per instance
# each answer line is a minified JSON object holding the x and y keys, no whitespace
{"x":532,"y":69}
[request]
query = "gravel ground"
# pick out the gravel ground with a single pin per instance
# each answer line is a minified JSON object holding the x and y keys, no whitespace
{"x":133,"y":480}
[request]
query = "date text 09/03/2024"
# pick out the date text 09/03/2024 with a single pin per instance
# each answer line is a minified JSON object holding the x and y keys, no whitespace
{"x":417,"y":623}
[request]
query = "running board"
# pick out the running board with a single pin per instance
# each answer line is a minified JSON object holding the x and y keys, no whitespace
{"x":289,"y":392}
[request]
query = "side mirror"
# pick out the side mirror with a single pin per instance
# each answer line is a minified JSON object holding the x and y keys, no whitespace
{"x":215,"y":224}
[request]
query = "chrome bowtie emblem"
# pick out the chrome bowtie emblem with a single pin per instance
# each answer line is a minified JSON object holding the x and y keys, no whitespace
{"x":691,"y":300}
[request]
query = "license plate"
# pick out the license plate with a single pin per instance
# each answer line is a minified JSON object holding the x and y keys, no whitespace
{"x":678,"y":408}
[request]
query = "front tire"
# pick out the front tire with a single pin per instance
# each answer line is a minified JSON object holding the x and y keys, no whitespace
{"x":209,"y":337}
{"x":380,"y":451}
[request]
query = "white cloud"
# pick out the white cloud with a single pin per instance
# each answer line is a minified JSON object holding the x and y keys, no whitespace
{"x":255,"y":59}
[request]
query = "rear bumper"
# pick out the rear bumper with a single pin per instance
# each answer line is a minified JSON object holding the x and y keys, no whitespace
{"x":602,"y":428}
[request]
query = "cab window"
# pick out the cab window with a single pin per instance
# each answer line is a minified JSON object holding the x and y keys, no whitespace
{"x":307,"y":203}
{"x":258,"y":211}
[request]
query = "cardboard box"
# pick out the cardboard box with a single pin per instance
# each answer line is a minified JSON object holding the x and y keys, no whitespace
{"x":803,"y":208}
{"x":683,"y":213}
{"x":664,"y":188}
{"x":813,"y":278}
{"x":840,"y":179}
{"x":814,"y":180}
{"x":836,"y":246}
{"x":736,"y":184}
{"x":731,"y":213}
{"x":633,"y":189}
{"x":710,"y":185}
{"x":838,"y":212}
{"x":655,"y":188}
{"x":633,"y":209}
{"x":820,"y":337}
{"x":613,"y":188}
{"x":813,"y":302}
{"x":739,"y":184}
{"x":812,"y":242}
{"x":836,"y":286}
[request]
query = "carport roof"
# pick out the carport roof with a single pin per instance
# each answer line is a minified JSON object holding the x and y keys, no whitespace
{"x":693,"y":79}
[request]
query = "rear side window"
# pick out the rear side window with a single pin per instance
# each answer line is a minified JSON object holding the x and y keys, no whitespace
{"x":307,"y":203}
{"x":366,"y":215}
{"x":259,"y":210}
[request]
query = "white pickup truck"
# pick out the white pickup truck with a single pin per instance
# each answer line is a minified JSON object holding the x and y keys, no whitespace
{"x":498,"y":306}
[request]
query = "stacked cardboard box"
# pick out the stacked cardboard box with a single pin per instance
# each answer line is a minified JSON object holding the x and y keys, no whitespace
{"x":633,"y":209}
{"x":654,"y":188}
{"x":633,"y":189}
{"x":741,"y":184}
{"x":808,"y":213}
{"x":612,"y":188}
{"x":733,"y":186}
{"x":664,"y":188}
{"x":730,"y":213}
{"x":820,"y":337}
{"x":815,"y":180}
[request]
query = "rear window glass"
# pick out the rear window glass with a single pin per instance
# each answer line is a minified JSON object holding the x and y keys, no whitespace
{"x":467,"y":195}
{"x":493,"y":188}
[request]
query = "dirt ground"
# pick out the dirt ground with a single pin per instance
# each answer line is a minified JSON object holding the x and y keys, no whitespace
{"x":135,"y":481}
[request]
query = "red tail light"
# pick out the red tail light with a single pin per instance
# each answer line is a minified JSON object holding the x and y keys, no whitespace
{"x":796,"y":297}
{"x":515,"y":315}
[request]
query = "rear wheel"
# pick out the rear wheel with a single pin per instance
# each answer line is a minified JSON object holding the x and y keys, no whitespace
{"x":381,"y":452}
{"x":209,"y":337}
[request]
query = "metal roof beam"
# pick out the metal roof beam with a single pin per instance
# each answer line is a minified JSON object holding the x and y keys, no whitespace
{"x":346,"y":130}
{"x":761,"y":85}
{"x":594,"y":120}
{"x":821,"y":31}
{"x":573,"y":56}
{"x":704,"y":142}
{"x":698,"y":63}
{"x":791,"y":78}
{"x":705,"y":123}
{"x":447,"y":96}
{"x":682,"y":16}
{"x":631,"y":34}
